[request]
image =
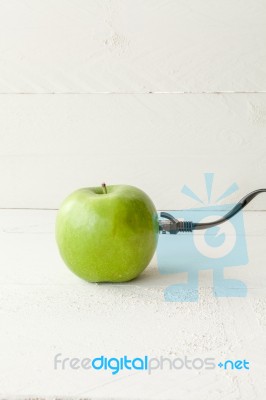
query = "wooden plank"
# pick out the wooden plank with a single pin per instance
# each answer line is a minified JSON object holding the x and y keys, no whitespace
{"x":132,"y":46}
{"x":46,"y":310}
{"x":51,"y":145}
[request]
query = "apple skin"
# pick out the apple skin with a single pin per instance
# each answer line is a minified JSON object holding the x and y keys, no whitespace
{"x":107,"y":237}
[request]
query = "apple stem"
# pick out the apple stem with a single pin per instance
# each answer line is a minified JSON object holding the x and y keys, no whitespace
{"x":104,"y":188}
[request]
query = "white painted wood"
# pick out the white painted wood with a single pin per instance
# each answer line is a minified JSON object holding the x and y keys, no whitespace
{"x":132,"y":46}
{"x":68,"y":131}
{"x":46,"y":310}
{"x":52,"y":145}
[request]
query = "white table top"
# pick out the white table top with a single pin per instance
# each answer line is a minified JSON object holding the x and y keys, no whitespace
{"x":46,"y":310}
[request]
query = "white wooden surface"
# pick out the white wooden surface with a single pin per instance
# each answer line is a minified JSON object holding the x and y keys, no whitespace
{"x":146,"y":92}
{"x":46,"y":310}
{"x":161,"y":127}
{"x":132,"y":46}
{"x":52,"y":145}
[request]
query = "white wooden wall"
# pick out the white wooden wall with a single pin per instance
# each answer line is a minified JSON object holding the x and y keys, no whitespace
{"x":146,"y":92}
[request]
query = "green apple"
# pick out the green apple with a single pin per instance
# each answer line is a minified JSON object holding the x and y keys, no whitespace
{"x":107,"y":234}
